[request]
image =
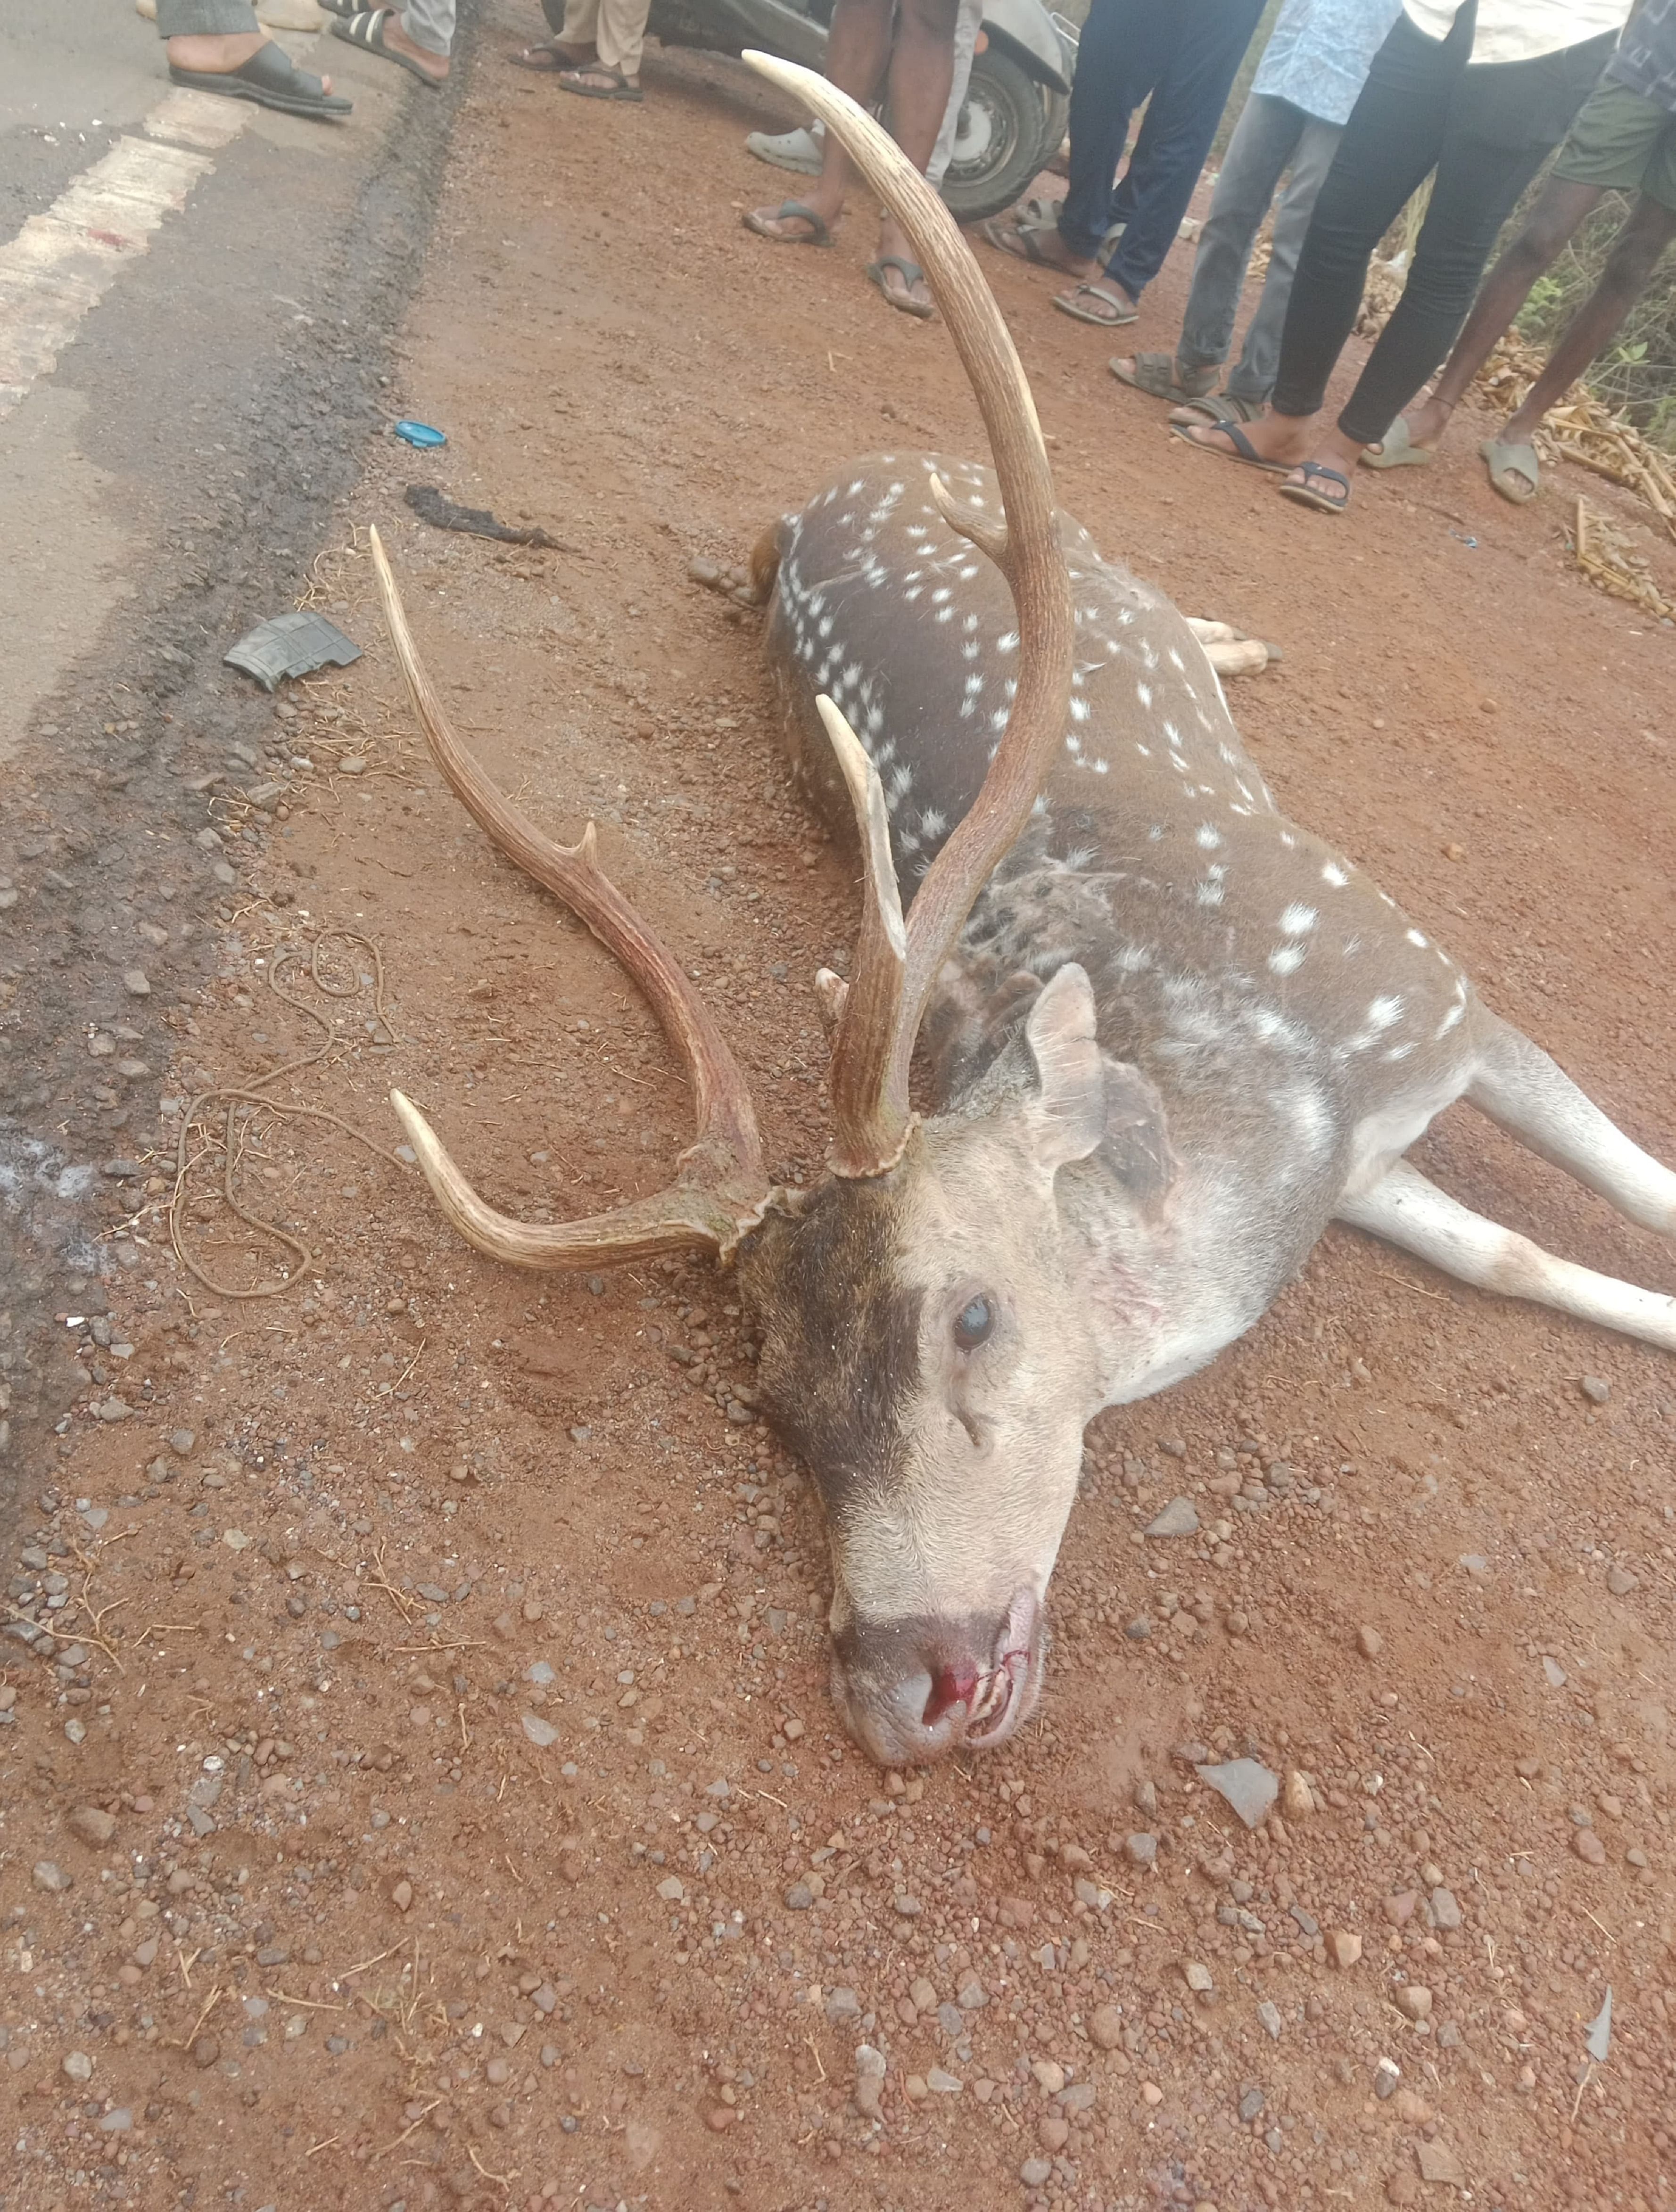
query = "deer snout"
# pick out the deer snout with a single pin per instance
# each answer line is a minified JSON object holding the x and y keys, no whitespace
{"x":912,"y":1690}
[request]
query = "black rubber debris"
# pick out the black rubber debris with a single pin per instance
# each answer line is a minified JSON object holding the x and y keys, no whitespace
{"x":290,"y":645}
{"x":429,"y":504}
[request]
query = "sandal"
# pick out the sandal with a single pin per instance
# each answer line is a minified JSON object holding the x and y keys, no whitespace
{"x":1023,"y":241}
{"x":1515,"y":470}
{"x":1242,"y":448}
{"x":547,"y":59}
{"x":365,"y":29}
{"x":1397,"y":450}
{"x":912,"y":274}
{"x":1216,"y":409}
{"x":271,"y":79}
{"x":758,"y":219}
{"x":615,"y":85}
{"x":1122,"y":310}
{"x":1155,"y":373}
{"x":1305,"y":494}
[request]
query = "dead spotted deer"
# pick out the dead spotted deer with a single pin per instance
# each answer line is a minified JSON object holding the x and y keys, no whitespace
{"x":1169,"y":1037}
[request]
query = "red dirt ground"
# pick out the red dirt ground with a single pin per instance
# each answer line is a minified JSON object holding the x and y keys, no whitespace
{"x":416,"y":1956}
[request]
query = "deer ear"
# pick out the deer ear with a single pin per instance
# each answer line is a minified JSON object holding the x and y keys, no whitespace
{"x":1089,"y":1102}
{"x":1068,"y":1114}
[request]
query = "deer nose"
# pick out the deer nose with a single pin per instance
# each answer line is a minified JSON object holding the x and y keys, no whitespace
{"x":950,"y":1687}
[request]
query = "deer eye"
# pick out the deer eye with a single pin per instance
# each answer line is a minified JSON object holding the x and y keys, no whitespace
{"x":973,"y":1324}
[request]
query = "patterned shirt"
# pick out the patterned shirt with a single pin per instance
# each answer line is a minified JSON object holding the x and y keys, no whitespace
{"x":1320,"y":52}
{"x":1646,"y":61}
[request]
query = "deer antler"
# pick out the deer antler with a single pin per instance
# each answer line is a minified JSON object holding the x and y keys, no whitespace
{"x":721,"y":1191}
{"x":891,"y":985}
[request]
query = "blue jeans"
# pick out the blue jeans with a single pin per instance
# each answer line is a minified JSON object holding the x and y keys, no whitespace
{"x":1182,"y":53}
{"x":1272,"y":137}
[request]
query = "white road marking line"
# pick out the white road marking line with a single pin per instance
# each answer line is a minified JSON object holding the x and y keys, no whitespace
{"x":63,"y":262}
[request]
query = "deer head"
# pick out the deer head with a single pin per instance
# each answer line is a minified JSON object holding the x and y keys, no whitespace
{"x":930,"y":1344}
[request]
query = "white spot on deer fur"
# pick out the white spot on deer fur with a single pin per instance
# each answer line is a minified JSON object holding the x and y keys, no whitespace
{"x":1132,"y":960}
{"x":1080,"y":710}
{"x":1414,"y":938}
{"x":1383,"y":1013}
{"x":1286,"y":836}
{"x":1144,"y":694}
{"x":1286,"y":958}
{"x":1008,"y":642}
{"x":1145,"y":752}
{"x":1176,"y":661}
{"x":1297,"y":921}
{"x":942,"y":594}
{"x":1397,"y":1052}
{"x":1209,"y":895}
{"x":1333,"y":874}
{"x":1099,"y":768}
{"x":932,"y":824}
{"x":1450,"y":1019}
{"x":1206,"y":838}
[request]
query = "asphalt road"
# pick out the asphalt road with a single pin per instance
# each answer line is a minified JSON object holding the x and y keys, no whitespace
{"x":196,"y":307}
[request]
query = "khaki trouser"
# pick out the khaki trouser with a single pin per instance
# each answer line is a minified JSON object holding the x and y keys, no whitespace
{"x":616,"y":28}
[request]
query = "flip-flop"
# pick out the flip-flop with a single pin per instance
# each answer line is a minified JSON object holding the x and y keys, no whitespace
{"x":1515,"y":470}
{"x":1154,"y":373}
{"x":912,"y":274}
{"x":546,"y":59}
{"x":365,"y":29}
{"x":1244,"y":452}
{"x":1023,"y":241}
{"x":1066,"y":303}
{"x":271,"y":79}
{"x":1397,"y":450}
{"x":1216,"y":409}
{"x":1305,"y":493}
{"x":617,"y":89}
{"x":758,"y":219}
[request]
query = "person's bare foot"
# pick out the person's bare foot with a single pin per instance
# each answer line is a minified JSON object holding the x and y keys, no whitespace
{"x":1039,"y":243}
{"x":436,"y":66}
{"x":1428,"y":421}
{"x":797,"y":229}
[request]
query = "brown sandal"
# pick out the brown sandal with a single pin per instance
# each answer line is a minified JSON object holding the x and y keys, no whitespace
{"x":617,"y":86}
{"x":551,"y":56}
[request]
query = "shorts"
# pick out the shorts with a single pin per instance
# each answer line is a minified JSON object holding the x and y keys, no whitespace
{"x":1623,"y":142}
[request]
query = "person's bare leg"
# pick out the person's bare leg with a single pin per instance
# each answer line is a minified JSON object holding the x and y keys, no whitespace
{"x":922,"y":71}
{"x":1554,"y":222}
{"x":858,"y":52}
{"x":1650,"y":228}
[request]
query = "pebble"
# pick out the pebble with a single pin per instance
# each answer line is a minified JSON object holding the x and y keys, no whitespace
{"x":78,"y":2066}
{"x":1105,"y":2026}
{"x":1620,"y":1582}
{"x":1053,"y":2132}
{"x":1297,"y":1800}
{"x":1269,"y":2013}
{"x":798,"y":1897}
{"x":182,"y":1443}
{"x":1344,"y":1947}
{"x":542,"y":1734}
{"x":1554,"y":1673}
{"x":1402,"y":2189}
{"x":1049,"y":2075}
{"x":843,"y":2005}
{"x":1437,"y":2162}
{"x":1368,"y":1641}
{"x":1594,"y":1389}
{"x":135,"y":982}
{"x":922,"y":1994}
{"x":1178,"y":1518}
{"x":49,"y":1875}
{"x":1198,"y":1977}
{"x":1151,"y":2093}
{"x":1035,"y":2172}
{"x":1587,"y":1845}
{"x":1413,"y":2002}
{"x":1139,"y":1629}
{"x":1444,"y":1909}
{"x":1250,"y":2104}
{"x":1140,"y":1849}
{"x":869,"y":2079}
{"x":1246,"y":1784}
{"x":1387,"y":2075}
{"x":673,"y":1891}
{"x":1399,"y":1909}
{"x":941,"y":2083}
{"x":91,"y":1827}
{"x":206,"y":2049}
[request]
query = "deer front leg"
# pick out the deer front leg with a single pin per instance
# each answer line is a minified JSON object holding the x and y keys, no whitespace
{"x":1406,"y":1210}
{"x":1533,"y":1099}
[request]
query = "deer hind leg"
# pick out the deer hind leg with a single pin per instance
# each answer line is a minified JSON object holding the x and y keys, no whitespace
{"x":1407,"y":1210}
{"x":1517,"y":1084}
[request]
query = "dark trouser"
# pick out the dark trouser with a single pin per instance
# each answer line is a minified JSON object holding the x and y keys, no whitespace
{"x":1184,"y":54}
{"x":1485,"y":131}
{"x":182,"y":19}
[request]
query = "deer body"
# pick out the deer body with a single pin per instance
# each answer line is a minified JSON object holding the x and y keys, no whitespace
{"x":1170,"y":1035}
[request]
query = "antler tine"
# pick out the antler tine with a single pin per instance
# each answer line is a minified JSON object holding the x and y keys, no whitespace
{"x":876,"y":1041}
{"x":720,"y":1190}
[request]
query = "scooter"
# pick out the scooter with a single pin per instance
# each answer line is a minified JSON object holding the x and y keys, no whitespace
{"x":1016,"y":106}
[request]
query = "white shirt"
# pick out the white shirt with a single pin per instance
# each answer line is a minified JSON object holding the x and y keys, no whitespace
{"x":1520,"y":30}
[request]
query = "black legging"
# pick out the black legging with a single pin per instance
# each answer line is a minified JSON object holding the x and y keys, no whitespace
{"x":1485,"y":131}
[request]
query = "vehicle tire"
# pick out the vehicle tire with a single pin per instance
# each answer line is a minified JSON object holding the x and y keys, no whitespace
{"x":1000,"y":143}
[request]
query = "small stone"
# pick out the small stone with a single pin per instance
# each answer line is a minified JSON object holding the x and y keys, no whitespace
{"x":1387,"y":2075}
{"x":842,"y":2005}
{"x":1140,"y":1849}
{"x":1399,"y":1909}
{"x":869,"y":2079}
{"x":182,"y":1443}
{"x":1344,"y":1947}
{"x":1444,"y":1909}
{"x":1269,"y":2013}
{"x":1250,"y":2104}
{"x":571,"y":1863}
{"x":1413,"y":2002}
{"x":1437,"y":2162}
{"x":922,"y":1994}
{"x":702,"y":570}
{"x":1620,"y":1582}
{"x":1053,"y":2132}
{"x":718,"y":2118}
{"x":1588,"y":1846}
{"x":1553,"y":1671}
{"x":1139,"y":1629}
{"x":1199,"y":1976}
{"x":941,"y":2083}
{"x":542,"y":1734}
{"x":798,"y":1897}
{"x":1036,"y":2173}
{"x":1412,"y":2108}
{"x":1178,"y":1518}
{"x":1475,"y":1565}
{"x":1368,"y":1641}
{"x":1297,"y":1800}
{"x":206,"y":2049}
{"x":1105,"y":2026}
{"x":1049,"y":2075}
{"x":1246,"y":1784}
{"x":49,"y":1875}
{"x":402,"y":1895}
{"x":1151,"y":2093}
{"x":77,"y":2066}
{"x":1595,"y":1389}
{"x":117,"y":2122}
{"x":908,"y":1908}
{"x":672,"y":1890}
{"x":1402,"y":2189}
{"x":91,"y":1827}
{"x":136,"y":983}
